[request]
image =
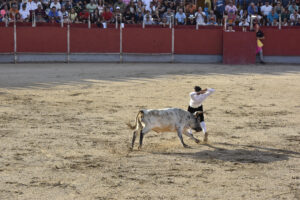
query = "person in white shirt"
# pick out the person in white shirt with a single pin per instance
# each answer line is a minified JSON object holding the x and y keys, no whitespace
{"x":265,"y":10}
{"x":24,"y":12}
{"x":200,"y":16}
{"x":196,"y":101}
{"x":55,"y":4}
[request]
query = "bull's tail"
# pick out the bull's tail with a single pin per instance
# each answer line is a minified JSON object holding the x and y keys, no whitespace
{"x":137,"y":121}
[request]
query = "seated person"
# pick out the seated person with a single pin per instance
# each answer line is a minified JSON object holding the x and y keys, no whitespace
{"x":272,"y":15}
{"x":24,"y":13}
{"x":53,"y":15}
{"x":211,"y":18}
{"x":180,"y":17}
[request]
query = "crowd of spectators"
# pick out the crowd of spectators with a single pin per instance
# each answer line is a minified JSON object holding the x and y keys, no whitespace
{"x":149,"y":12}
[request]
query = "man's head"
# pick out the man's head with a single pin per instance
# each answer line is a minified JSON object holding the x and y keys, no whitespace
{"x":197,"y":89}
{"x":53,"y":9}
{"x":267,"y":3}
{"x":24,"y":6}
{"x":180,"y":10}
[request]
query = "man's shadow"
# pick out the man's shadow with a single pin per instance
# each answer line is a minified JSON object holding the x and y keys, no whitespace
{"x":239,"y":154}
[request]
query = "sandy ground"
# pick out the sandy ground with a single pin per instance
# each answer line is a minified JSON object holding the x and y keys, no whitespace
{"x":69,"y":139}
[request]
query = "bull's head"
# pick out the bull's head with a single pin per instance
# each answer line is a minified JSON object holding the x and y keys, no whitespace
{"x":197,"y":126}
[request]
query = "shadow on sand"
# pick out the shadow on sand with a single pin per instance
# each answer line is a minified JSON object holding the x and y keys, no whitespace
{"x":240,"y":154}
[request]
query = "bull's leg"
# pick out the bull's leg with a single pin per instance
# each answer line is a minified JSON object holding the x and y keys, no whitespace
{"x":142,"y":134}
{"x":206,"y":137}
{"x":189,"y":134}
{"x":179,"y":133}
{"x":133,"y":138}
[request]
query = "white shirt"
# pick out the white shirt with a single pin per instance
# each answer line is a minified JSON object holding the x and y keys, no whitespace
{"x":24,"y":13}
{"x":57,"y":6}
{"x":265,"y":10}
{"x":196,"y":100}
{"x":200,"y":18}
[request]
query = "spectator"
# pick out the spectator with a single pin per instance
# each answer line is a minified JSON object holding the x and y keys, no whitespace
{"x":219,"y":10}
{"x":33,"y":5}
{"x":252,"y":9}
{"x":95,"y":17}
{"x":275,"y":23}
{"x":272,"y":15}
{"x":164,"y":23}
{"x":4,"y":12}
{"x":91,"y":6}
{"x":244,"y":23}
{"x":293,"y":7}
{"x":63,"y":14}
{"x":68,"y":6}
{"x":161,"y":9}
{"x":206,"y":9}
{"x":200,"y":17}
{"x":13,"y":11}
{"x":180,"y":17}
{"x":128,"y":17}
{"x":121,"y":6}
{"x":53,"y":15}
{"x":265,"y":10}
{"x":117,"y":15}
{"x":24,"y":13}
{"x":190,"y":8}
{"x":285,"y":15}
{"x":231,"y":11}
{"x":148,"y":19}
{"x":191,"y":20}
{"x":46,"y":3}
{"x":108,"y":16}
{"x":40,"y":15}
{"x":298,"y":22}
{"x":101,"y":6}
{"x":278,"y":8}
{"x":140,"y":7}
{"x":294,"y":17}
{"x":168,"y":15}
{"x":84,"y":16}
{"x":131,"y":8}
{"x":285,"y":22}
{"x":155,"y":17}
{"x":211,"y":18}
{"x":55,"y":4}
{"x":73,"y":16}
{"x":139,"y":18}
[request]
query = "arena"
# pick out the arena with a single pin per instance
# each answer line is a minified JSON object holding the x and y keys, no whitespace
{"x":64,"y":135}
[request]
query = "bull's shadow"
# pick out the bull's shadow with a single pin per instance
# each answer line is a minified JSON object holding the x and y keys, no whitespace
{"x":240,"y":154}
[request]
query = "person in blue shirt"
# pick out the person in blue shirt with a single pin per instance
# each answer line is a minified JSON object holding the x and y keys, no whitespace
{"x":53,"y":15}
{"x":271,"y":16}
{"x":252,"y":9}
{"x":180,"y":17}
{"x":219,"y":10}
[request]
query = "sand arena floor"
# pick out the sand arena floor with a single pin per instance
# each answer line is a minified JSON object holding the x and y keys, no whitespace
{"x":64,"y":135}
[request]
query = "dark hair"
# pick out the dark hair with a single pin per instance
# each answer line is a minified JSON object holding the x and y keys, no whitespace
{"x":197,"y":89}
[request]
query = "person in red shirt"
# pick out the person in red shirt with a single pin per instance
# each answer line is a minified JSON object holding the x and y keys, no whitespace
{"x":107,"y":16}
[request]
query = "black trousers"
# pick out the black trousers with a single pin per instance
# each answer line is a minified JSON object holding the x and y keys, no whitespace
{"x":192,"y":110}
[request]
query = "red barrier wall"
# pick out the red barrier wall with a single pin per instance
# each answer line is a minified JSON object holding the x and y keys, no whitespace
{"x":203,"y":42}
{"x":239,"y":48}
{"x":281,"y":42}
{"x":6,"y":40}
{"x":149,"y":40}
{"x":42,"y":39}
{"x":94,"y":40}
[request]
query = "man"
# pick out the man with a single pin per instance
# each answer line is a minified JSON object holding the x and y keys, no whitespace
{"x":272,"y":16}
{"x":91,"y":6}
{"x":24,"y":12}
{"x":259,"y":45}
{"x":200,"y":17}
{"x":53,"y":15}
{"x":180,"y":17}
{"x":55,"y":4}
{"x":294,"y":17}
{"x":265,"y":10}
{"x":196,"y":101}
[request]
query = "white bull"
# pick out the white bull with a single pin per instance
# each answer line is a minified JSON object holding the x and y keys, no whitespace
{"x":166,"y":120}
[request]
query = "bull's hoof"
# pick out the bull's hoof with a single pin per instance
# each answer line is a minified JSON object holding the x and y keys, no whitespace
{"x":140,"y":148}
{"x":205,"y":140}
{"x":186,"y":146}
{"x":197,"y":141}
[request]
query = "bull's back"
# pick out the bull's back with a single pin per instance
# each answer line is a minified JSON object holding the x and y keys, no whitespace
{"x":163,"y":120}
